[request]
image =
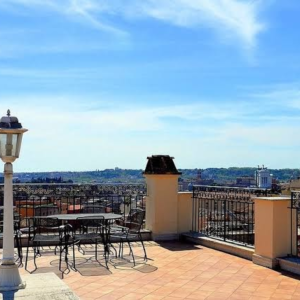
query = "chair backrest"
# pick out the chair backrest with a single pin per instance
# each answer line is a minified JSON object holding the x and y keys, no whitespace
{"x":91,"y":223}
{"x":66,"y":234}
{"x":93,"y":209}
{"x":47,"y":225}
{"x":135,"y":219}
{"x":17,"y":222}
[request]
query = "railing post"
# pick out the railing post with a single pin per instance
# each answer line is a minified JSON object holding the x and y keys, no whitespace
{"x":272,"y":230}
{"x":295,"y":209}
{"x":224,"y":205}
{"x":193,"y":211}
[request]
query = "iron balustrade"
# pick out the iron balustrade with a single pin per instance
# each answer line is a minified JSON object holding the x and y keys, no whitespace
{"x":49,"y":199}
{"x":225,"y":213}
{"x":28,"y":189}
{"x":295,"y":223}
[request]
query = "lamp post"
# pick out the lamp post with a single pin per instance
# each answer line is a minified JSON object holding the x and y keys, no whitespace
{"x":11,"y":133}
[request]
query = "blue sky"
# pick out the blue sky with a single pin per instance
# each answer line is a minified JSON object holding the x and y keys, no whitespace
{"x":106,"y":83}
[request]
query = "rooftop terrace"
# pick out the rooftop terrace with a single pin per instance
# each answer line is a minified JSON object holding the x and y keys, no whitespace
{"x":177,"y":271}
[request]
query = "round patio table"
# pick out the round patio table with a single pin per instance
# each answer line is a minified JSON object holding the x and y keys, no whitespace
{"x":73,"y":217}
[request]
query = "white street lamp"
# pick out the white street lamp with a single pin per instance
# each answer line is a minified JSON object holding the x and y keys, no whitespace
{"x":11,"y":133}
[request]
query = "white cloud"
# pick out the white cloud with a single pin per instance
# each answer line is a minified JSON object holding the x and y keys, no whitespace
{"x":86,"y":10}
{"x":285,"y":95}
{"x":231,"y":18}
{"x":235,"y":20}
{"x":108,"y":115}
{"x":76,"y":9}
{"x":70,"y":133}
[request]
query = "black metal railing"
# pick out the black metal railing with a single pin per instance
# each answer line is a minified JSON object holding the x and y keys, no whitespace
{"x":225,"y":213}
{"x":27,"y":189}
{"x":295,"y":223}
{"x":49,"y":199}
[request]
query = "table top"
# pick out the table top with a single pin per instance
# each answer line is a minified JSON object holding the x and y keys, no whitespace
{"x":69,"y":217}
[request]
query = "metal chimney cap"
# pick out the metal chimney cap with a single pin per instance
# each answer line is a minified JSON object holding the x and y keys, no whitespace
{"x":9,"y":122}
{"x":161,"y":164}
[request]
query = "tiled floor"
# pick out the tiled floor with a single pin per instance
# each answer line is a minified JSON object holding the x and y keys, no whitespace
{"x":179,"y":271}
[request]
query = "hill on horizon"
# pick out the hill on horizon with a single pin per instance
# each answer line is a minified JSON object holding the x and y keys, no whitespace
{"x":118,"y":175}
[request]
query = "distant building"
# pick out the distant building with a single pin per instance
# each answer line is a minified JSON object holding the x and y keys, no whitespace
{"x":187,"y":185}
{"x":295,"y":184}
{"x":263,"y":178}
{"x":245,"y":181}
{"x":201,"y":181}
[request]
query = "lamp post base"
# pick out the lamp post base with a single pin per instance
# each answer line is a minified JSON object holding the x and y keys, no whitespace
{"x":10,"y":279}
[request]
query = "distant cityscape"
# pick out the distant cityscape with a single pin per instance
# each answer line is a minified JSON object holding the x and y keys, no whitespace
{"x":240,"y":177}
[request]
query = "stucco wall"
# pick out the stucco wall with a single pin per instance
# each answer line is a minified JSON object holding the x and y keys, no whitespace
{"x":161,"y":205}
{"x":185,"y":211}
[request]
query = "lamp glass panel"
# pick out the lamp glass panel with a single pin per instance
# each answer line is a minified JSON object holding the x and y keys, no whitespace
{"x":18,"y":144}
{"x":14,"y":144}
{"x":8,"y":144}
{"x":2,"y":144}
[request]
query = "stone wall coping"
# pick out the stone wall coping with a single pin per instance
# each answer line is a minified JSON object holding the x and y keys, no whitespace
{"x":283,"y":198}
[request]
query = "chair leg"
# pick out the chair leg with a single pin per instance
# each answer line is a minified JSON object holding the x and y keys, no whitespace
{"x":73,"y":249}
{"x":38,"y":253}
{"x":61,"y":251}
{"x":74,"y":258}
{"x":64,"y":251}
{"x":26,"y":259}
{"x":96,"y":250}
{"x":80,"y":248}
{"x":121,"y":250}
{"x":115,"y":250}
{"x":35,"y":253}
{"x":19,"y":249}
{"x":145,"y":254}
{"x":27,"y":250}
{"x":133,"y":259}
{"x":55,"y":250}
{"x":59,"y":264}
{"x":106,"y":254}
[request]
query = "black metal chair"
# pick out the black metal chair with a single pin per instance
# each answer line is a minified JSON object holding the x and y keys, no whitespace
{"x":92,"y":230}
{"x":67,"y":240}
{"x":129,"y":231}
{"x":17,"y":237}
{"x":48,"y":232}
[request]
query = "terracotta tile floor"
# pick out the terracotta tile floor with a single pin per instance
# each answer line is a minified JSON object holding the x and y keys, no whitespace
{"x":178,"y":271}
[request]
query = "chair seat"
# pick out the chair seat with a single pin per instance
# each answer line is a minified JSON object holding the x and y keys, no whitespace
{"x":27,"y":230}
{"x":46,"y":238}
{"x":87,"y":236}
{"x":115,"y":228}
{"x":131,"y":237}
